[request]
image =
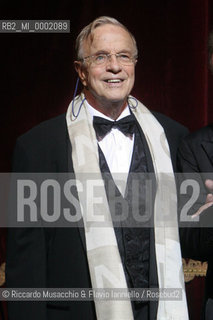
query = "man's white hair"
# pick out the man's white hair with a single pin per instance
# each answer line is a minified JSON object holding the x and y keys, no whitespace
{"x":87,"y":32}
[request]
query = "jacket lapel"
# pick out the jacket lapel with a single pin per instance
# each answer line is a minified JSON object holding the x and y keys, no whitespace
{"x":208,"y":148}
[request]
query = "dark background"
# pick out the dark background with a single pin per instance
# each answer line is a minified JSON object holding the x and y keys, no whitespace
{"x":172,"y":76}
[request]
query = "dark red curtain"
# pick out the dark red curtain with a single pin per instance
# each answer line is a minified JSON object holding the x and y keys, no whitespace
{"x":37,"y":75}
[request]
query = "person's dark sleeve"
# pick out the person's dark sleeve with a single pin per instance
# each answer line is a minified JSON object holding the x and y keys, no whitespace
{"x":25,"y":257}
{"x":196,"y":237}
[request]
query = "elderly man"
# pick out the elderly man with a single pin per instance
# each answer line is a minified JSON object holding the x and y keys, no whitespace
{"x":105,"y":132}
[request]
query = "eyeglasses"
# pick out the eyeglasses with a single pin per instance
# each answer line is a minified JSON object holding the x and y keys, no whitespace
{"x":102,"y":58}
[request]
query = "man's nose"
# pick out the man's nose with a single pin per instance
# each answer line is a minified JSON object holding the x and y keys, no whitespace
{"x":113,"y":65}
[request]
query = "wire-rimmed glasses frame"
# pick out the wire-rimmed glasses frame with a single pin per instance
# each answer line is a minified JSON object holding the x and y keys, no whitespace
{"x":103,"y":58}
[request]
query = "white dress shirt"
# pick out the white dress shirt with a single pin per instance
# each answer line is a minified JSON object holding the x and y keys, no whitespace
{"x":117,"y":148}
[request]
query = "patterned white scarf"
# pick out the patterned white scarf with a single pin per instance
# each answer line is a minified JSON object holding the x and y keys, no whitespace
{"x":106,"y":269}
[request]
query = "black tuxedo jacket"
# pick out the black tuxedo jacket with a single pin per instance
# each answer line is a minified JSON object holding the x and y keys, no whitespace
{"x":195,"y":155}
{"x":56,"y":257}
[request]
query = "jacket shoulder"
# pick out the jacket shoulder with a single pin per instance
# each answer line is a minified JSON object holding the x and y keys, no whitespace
{"x":205,"y":133}
{"x":174,"y":132}
{"x":43,"y":148}
{"x":51,"y":128}
{"x":170,"y":125}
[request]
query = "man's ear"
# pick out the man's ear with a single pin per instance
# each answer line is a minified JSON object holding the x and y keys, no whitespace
{"x":82,"y":72}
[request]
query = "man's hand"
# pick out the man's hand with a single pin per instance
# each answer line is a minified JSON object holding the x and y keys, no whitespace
{"x":209,"y":198}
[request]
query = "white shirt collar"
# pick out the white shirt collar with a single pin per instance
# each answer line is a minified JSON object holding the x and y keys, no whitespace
{"x":93,"y":112}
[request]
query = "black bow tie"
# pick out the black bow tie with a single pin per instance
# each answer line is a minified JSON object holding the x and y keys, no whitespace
{"x":103,"y":126}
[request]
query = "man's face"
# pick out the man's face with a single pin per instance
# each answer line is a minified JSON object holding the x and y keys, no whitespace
{"x":111,"y":82}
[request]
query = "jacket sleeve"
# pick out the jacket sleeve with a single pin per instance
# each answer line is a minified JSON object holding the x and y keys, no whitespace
{"x":196,"y":237}
{"x":26,"y":256}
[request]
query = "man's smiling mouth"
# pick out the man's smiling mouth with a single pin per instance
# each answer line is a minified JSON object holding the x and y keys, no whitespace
{"x":113,"y":80}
